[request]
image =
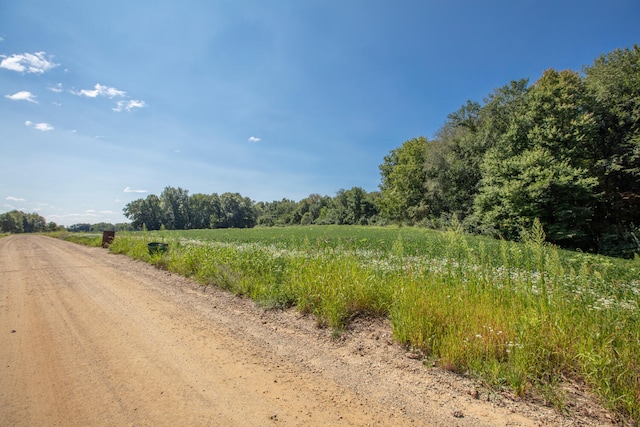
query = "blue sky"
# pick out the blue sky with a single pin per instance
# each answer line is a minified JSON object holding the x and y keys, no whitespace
{"x":105,"y":102}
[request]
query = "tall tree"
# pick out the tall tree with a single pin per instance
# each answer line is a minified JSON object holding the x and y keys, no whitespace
{"x":402,"y":189}
{"x":451,"y":167}
{"x":614,"y":83}
{"x":175,"y":204}
{"x":535,"y":184}
{"x":203,"y":208}
{"x":539,"y":166}
{"x":20,"y":222}
{"x":236,"y":211}
{"x":278,"y":212}
{"x":12,"y":222}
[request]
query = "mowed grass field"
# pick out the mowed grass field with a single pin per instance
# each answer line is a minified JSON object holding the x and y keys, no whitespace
{"x":526,"y":316}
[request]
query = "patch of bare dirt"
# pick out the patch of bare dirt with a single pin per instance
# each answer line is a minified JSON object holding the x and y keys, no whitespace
{"x":91,"y":338}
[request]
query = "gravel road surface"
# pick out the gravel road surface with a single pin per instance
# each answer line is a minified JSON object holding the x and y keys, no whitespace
{"x":88,"y":338}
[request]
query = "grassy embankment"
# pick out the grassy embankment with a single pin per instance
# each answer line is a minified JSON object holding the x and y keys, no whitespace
{"x":521,"y":315}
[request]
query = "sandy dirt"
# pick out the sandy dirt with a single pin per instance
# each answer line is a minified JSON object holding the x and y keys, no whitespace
{"x":92,"y":338}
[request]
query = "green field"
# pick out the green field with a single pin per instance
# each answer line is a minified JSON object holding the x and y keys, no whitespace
{"x":525,"y":316}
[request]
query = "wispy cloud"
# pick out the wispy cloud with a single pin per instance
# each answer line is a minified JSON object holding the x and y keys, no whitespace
{"x":254,"y":139}
{"x":39,"y":126}
{"x":71,"y":216}
{"x":57,"y":88}
{"x":130,"y":190}
{"x":100,"y":90}
{"x":23,"y":95}
{"x":129,"y":105}
{"x":35,"y":63}
{"x":15,"y":199}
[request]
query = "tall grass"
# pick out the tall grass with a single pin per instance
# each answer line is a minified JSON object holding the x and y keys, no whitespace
{"x":521,"y":315}
{"x":87,"y":239}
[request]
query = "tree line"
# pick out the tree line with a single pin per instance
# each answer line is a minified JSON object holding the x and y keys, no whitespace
{"x":175,"y":209}
{"x":565,"y":150}
{"x":17,"y":221}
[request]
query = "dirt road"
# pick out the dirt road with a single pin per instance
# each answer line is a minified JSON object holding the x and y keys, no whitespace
{"x":91,"y":338}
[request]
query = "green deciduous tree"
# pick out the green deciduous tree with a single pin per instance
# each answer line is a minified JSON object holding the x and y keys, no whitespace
{"x":236,"y":212}
{"x":451,"y":164}
{"x":204,"y":207}
{"x":145,"y":213}
{"x":539,"y":168}
{"x":535,"y":184}
{"x":614,"y":83}
{"x":20,"y":222}
{"x":276,"y":213}
{"x":402,"y":191}
{"x":175,"y":206}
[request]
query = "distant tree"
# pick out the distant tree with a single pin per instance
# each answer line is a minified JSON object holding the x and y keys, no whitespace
{"x":145,"y":213}
{"x":353,"y":207}
{"x":12,"y":222}
{"x":52,"y":226}
{"x":402,"y":192}
{"x":203,"y":207}
{"x":151,"y":213}
{"x":103,"y":226}
{"x":309,"y":208}
{"x":76,"y":228}
{"x":236,"y":211}
{"x":175,"y":206}
{"x":20,"y":222}
{"x":275,"y":213}
{"x":33,"y":223}
{"x":278,"y":212}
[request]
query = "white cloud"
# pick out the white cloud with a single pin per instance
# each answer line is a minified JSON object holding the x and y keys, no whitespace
{"x":100,"y":90}
{"x":39,"y":126}
{"x":90,"y":211}
{"x":129,"y":105}
{"x":254,"y":139}
{"x":36,"y":63}
{"x":15,"y":199}
{"x":44,"y":127}
{"x":57,"y":88}
{"x":71,"y":217}
{"x":23,"y":95}
{"x":130,"y":190}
